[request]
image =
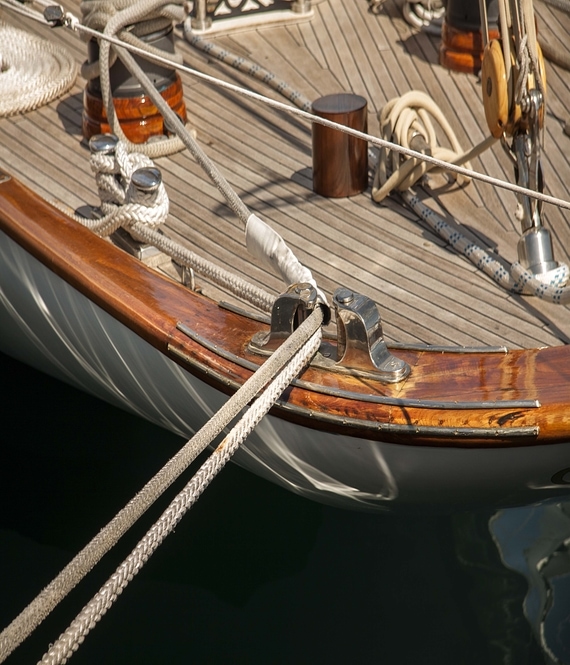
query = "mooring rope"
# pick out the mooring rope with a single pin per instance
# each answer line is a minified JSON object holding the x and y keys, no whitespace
{"x":86,"y":620}
{"x":301,"y":345}
{"x":33,"y":71}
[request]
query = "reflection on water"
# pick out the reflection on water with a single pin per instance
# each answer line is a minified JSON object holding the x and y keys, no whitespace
{"x":255,"y":574}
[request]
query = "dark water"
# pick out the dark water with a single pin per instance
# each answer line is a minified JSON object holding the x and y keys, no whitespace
{"x":254,"y":574}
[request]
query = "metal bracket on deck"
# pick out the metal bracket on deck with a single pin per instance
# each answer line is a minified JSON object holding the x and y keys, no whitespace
{"x":360,"y":348}
{"x":360,"y":341}
{"x":289,"y":311}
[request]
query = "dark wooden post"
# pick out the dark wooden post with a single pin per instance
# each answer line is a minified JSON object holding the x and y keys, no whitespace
{"x":340,"y":161}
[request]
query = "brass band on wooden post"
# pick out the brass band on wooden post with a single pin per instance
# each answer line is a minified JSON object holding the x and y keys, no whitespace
{"x":340,"y":161}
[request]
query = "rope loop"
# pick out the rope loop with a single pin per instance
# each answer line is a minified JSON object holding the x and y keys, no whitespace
{"x":408,"y":120}
{"x":122,"y":203}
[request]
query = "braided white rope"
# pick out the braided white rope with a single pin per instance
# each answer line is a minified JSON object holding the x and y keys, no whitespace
{"x":121,"y":202}
{"x":75,"y":634}
{"x":33,"y":71}
{"x":140,"y":214}
{"x":15,"y":633}
{"x":548,"y":286}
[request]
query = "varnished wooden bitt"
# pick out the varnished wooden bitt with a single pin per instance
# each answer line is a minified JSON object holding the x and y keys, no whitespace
{"x":340,"y":161}
{"x":138,"y":116}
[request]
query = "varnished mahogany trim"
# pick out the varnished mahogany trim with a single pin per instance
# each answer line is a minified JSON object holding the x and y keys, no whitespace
{"x":374,"y":399}
{"x":151,"y":305}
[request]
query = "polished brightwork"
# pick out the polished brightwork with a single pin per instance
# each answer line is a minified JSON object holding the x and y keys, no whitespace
{"x":361,"y":345}
{"x":340,"y":161}
{"x":80,"y":309}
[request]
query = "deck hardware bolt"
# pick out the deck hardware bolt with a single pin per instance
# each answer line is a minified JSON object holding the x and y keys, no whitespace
{"x":147,"y":179}
{"x":344,"y":296}
{"x":55,"y":15}
{"x":103,"y":143}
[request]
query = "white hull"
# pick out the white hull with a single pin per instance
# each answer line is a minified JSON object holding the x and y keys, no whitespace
{"x":48,"y":324}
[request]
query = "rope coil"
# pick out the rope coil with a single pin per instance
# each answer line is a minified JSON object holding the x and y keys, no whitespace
{"x":33,"y":71}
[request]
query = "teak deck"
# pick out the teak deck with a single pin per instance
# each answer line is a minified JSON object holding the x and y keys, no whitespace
{"x":426,"y":293}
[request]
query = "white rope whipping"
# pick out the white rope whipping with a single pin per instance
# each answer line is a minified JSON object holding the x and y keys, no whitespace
{"x":33,"y":71}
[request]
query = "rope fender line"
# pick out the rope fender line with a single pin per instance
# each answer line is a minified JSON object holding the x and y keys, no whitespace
{"x":24,"y":624}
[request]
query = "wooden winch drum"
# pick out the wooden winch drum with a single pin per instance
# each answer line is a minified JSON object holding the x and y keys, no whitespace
{"x":461,"y":48}
{"x":138,"y":116}
{"x":340,"y":161}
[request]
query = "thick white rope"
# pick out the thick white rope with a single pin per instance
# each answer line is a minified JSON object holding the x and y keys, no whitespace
{"x":141,"y":213}
{"x":92,"y":613}
{"x":121,"y":202}
{"x":15,"y":633}
{"x":33,"y":71}
{"x":410,"y":116}
{"x":549,"y":286}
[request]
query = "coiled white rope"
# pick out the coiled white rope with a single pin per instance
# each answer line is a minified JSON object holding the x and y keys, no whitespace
{"x":75,"y":634}
{"x":33,"y":71}
{"x":404,"y":119}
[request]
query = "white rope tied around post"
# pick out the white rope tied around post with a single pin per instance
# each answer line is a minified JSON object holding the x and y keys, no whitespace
{"x":75,"y":634}
{"x":122,"y":204}
{"x":33,"y":71}
{"x":17,"y":631}
{"x":289,"y":268}
{"x":140,"y":214}
{"x":409,"y":116}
